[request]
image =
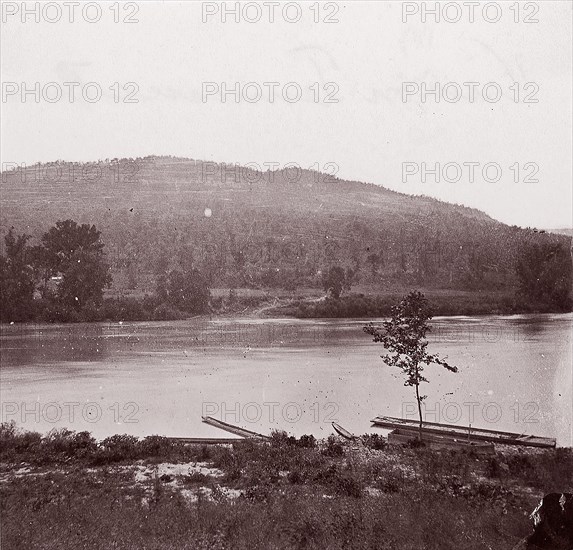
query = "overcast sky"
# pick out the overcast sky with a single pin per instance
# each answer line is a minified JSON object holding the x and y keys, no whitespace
{"x":368,"y":55}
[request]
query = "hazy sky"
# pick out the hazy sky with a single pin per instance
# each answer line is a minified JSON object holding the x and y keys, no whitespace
{"x":368,"y":55}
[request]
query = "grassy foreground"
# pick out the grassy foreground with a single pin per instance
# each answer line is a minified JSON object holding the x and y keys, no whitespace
{"x":65,"y":490}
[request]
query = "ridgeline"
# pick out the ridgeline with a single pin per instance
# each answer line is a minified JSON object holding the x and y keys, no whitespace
{"x":282,"y":230}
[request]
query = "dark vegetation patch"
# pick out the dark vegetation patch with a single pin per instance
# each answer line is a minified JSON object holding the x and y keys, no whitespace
{"x":371,"y":306}
{"x":295,"y":493}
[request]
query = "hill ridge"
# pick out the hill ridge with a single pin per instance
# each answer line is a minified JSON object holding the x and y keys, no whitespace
{"x":263,"y":228}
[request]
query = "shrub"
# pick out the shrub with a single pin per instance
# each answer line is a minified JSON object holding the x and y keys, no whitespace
{"x":257,"y":472}
{"x":333,"y":447}
{"x":307,"y":441}
{"x":117,"y":448}
{"x":305,"y":532}
{"x":374,"y":441}
{"x":296,"y":476}
{"x":165,"y":312}
{"x":224,"y":458}
{"x":392,"y":480}
{"x":257,"y":493}
{"x":326,"y":475}
{"x":280,"y":439}
{"x":155,"y":446}
{"x":68,"y":443}
{"x":14,"y":442}
{"x":494,"y":467}
{"x":520,"y":465}
{"x":347,"y":484}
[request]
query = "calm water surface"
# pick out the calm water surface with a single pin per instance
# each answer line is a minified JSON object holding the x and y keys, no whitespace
{"x":515,"y":373}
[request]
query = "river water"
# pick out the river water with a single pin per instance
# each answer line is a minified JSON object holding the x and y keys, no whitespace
{"x":515,"y":373}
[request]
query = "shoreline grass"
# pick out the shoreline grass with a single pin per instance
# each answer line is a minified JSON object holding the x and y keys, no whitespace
{"x":66,"y":490}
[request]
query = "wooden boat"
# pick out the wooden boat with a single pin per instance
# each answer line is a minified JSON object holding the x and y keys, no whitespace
{"x":399,"y":436}
{"x":342,"y":432}
{"x":464,"y":432}
{"x":233,"y":429}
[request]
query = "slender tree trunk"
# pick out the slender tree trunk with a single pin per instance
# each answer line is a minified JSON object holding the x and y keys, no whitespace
{"x":419,"y":408}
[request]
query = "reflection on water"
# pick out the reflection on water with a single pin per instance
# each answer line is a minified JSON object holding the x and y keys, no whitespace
{"x":141,"y":378}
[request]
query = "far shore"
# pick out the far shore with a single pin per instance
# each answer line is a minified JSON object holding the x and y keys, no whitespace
{"x":307,"y":304}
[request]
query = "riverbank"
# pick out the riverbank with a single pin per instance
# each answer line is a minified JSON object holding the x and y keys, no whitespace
{"x":443,"y":303}
{"x":306,"y":304}
{"x":68,"y":491}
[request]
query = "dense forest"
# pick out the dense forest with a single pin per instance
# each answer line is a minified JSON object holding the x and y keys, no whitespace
{"x":235,"y":227}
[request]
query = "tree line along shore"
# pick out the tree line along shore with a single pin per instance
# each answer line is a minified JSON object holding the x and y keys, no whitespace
{"x":67,"y":277}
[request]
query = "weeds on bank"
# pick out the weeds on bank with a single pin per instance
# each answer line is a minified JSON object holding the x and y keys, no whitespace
{"x":285,"y":459}
{"x":63,"y":446}
{"x":294,"y":493}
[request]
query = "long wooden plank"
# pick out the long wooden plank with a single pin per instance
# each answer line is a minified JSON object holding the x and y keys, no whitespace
{"x":476,"y":434}
{"x":442,"y":437}
{"x":505,"y":441}
{"x":232,"y":429}
{"x":402,"y":437}
{"x":404,"y":422}
{"x":520,"y":441}
{"x":204,"y":440}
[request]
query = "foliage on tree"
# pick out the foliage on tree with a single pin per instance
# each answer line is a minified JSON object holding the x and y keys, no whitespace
{"x":187,"y":291}
{"x":336,"y":280}
{"x":66,"y":238}
{"x":76,"y":252}
{"x":544,"y":273}
{"x":85,"y":275}
{"x":16,"y":279}
{"x":404,"y":336}
{"x":161,"y":287}
{"x":68,"y":250}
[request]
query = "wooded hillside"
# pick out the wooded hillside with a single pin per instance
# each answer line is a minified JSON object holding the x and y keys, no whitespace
{"x":278,"y":229}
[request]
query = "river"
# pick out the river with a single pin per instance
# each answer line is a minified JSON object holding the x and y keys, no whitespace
{"x":515,"y":373}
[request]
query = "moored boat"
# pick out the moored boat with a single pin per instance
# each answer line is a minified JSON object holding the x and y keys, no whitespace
{"x":242,"y":432}
{"x":343,"y":432}
{"x":468,"y":433}
{"x":399,"y":436}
